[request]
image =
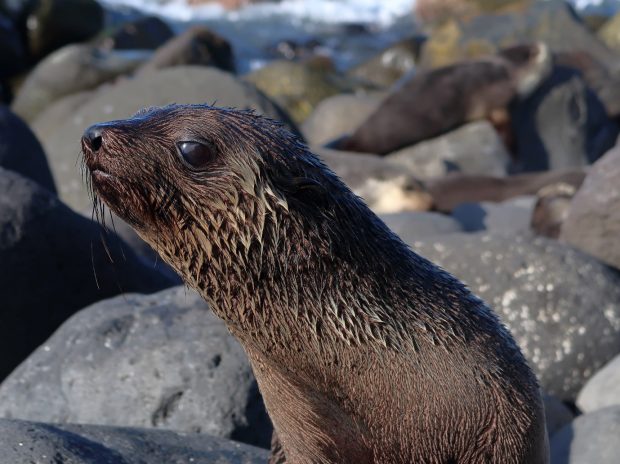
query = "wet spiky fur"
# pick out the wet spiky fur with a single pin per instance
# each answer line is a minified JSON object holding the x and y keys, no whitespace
{"x":364,"y":351}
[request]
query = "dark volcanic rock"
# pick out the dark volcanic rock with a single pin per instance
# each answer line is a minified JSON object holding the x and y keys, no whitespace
{"x":12,"y":54}
{"x":562,"y":124}
{"x":54,"y":23}
{"x":198,"y":45}
{"x":181,"y":84}
{"x":53,"y":263}
{"x":591,"y":438}
{"x":593,"y":222}
{"x":20,"y":151}
{"x":72,"y":69}
{"x":162,"y":360}
{"x":557,"y":414}
{"x":562,"y":306}
{"x":510,"y":216}
{"x":30,"y":442}
{"x":147,"y":33}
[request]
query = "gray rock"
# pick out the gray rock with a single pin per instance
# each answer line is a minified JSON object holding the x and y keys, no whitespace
{"x":20,"y":151}
{"x":513,"y":215}
{"x":386,"y":188}
{"x":181,"y":84}
{"x":162,"y":360}
{"x":562,"y":124}
{"x":591,"y":438}
{"x":69,"y":70}
{"x":562,"y":306}
{"x":557,"y":415}
{"x":411,"y":226}
{"x":474,"y":148}
{"x":30,"y":442}
{"x":52,"y":264}
{"x":603,"y":389}
{"x":593,"y":222}
{"x":337,"y":116}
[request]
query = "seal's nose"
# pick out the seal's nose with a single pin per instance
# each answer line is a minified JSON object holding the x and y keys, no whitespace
{"x":93,"y":137}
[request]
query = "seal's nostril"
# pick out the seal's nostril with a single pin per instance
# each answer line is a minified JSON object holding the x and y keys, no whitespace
{"x":93,"y":136}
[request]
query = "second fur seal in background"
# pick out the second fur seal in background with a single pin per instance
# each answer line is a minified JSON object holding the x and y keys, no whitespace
{"x":364,"y":351}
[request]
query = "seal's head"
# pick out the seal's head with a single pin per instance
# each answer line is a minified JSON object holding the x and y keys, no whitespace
{"x":224,"y":195}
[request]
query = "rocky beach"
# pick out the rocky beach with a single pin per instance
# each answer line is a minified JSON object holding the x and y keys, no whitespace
{"x":483,"y":133}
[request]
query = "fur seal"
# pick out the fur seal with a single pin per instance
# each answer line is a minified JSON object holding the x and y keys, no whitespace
{"x":364,"y":351}
{"x":433,"y":102}
{"x":450,"y":191}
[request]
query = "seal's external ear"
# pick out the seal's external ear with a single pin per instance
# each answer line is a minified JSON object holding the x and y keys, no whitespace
{"x":304,"y":189}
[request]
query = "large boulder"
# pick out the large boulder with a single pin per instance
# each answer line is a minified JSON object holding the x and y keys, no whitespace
{"x":591,"y":438}
{"x":53,"y":262}
{"x":553,"y":22}
{"x":162,"y":360}
{"x":609,"y":33}
{"x":181,"y":84}
{"x":562,"y":306}
{"x":474,"y":148}
{"x":337,"y":116}
{"x":24,"y":442}
{"x":593,"y":222}
{"x":297,"y":87}
{"x":20,"y":151}
{"x":71,"y":69}
{"x":603,"y":389}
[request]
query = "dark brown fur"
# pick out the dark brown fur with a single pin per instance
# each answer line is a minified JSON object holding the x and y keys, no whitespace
{"x":364,"y":351}
{"x":437,"y":101}
{"x":450,"y":191}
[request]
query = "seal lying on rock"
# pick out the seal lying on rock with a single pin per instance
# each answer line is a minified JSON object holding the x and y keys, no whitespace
{"x":364,"y":351}
{"x":433,"y":102}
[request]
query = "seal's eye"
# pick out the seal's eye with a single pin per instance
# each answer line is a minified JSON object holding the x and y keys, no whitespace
{"x":196,"y":154}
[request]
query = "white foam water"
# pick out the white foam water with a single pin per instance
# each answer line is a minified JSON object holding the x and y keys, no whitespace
{"x":378,"y":12}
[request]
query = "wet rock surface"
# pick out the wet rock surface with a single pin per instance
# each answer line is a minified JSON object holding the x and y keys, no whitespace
{"x":32,"y":442}
{"x":52,"y":264}
{"x":20,"y":151}
{"x":163,"y":361}
{"x":593,"y":220}
{"x":561,"y":305}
